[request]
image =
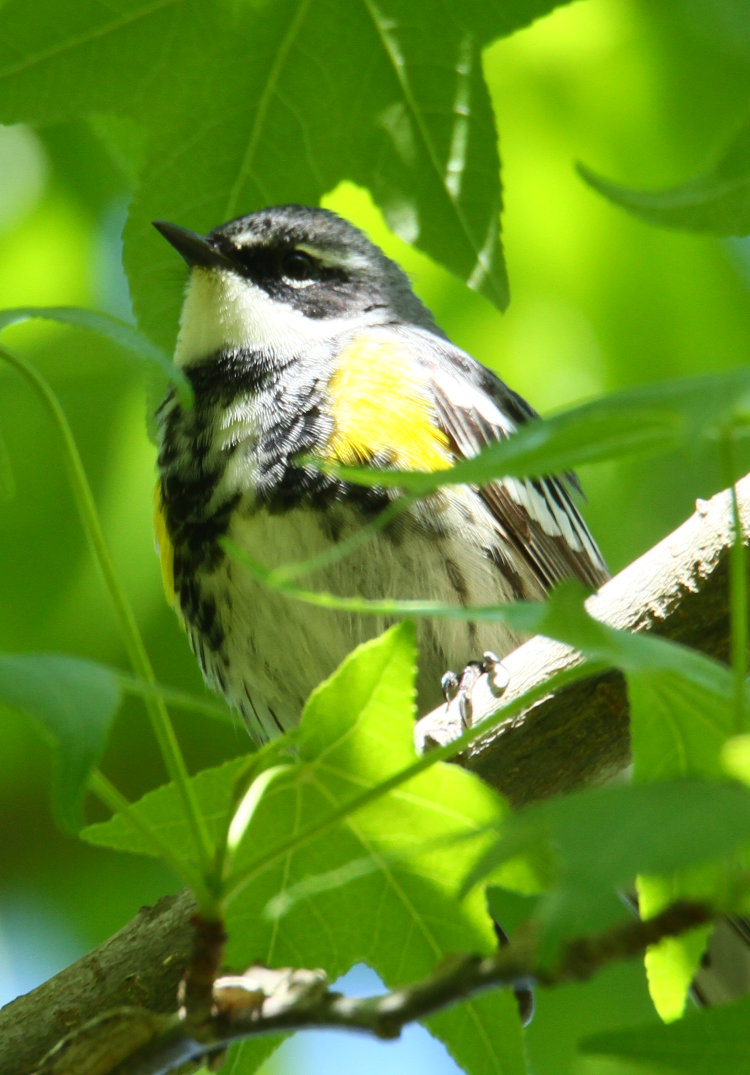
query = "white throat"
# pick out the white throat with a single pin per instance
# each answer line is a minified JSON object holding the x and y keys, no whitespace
{"x":222,"y":310}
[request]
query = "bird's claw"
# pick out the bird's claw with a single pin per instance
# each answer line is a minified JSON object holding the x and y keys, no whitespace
{"x":459,"y":688}
{"x":497,"y":674}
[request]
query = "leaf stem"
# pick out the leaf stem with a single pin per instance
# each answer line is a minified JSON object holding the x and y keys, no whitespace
{"x":287,"y":573}
{"x":160,"y":722}
{"x":173,"y":696}
{"x":278,"y":580}
{"x":108,"y":794}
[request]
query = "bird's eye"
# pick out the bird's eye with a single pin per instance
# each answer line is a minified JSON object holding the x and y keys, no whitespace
{"x":298,"y":267}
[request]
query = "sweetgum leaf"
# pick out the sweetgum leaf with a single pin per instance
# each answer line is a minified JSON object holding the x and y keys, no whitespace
{"x":682,"y":711}
{"x":659,"y":827}
{"x":245,"y":105}
{"x":403,"y":915}
{"x":217,"y":790}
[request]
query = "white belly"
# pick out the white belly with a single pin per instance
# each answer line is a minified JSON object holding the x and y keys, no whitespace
{"x":277,"y":648}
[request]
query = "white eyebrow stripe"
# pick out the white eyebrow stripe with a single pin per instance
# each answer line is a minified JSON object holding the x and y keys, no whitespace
{"x":248,"y":240}
{"x":333,"y":260}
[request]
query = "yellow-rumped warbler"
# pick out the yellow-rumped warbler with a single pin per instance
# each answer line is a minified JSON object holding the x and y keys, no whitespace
{"x":302,"y":339}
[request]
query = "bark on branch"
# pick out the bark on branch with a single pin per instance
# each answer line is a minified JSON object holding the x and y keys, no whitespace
{"x":678,"y":589}
{"x":263,"y":1001}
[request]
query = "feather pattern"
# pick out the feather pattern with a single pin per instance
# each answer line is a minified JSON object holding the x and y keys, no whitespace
{"x":538,"y":518}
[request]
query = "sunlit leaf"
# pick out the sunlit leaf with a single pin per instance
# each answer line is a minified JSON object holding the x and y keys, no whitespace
{"x":679,"y":724}
{"x":682,"y":710}
{"x":218,"y":790}
{"x":659,"y":828}
{"x":402,"y":915}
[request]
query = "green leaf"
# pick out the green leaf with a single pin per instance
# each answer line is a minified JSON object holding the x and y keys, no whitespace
{"x":124,"y":139}
{"x":218,"y":791}
{"x":679,"y":725}
{"x":682,"y":702}
{"x":680,"y":719}
{"x":659,"y":828}
{"x":7,"y":481}
{"x":401,"y":916}
{"x":682,"y":710}
{"x":237,"y":89}
{"x":682,"y":730}
{"x":716,"y":201}
{"x":714,"y":1040}
{"x":74,"y":701}
{"x":120,"y":332}
{"x":418,"y":131}
{"x":511,"y":909}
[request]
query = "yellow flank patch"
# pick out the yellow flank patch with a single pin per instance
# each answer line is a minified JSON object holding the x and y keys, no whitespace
{"x":381,"y":411}
{"x":164,"y":546}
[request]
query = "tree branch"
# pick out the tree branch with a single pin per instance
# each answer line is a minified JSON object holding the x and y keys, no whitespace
{"x":579,"y":736}
{"x":141,"y":965}
{"x":264,"y":1001}
{"x":678,"y":589}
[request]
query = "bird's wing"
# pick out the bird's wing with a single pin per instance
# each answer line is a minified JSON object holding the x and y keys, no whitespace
{"x":537,"y":517}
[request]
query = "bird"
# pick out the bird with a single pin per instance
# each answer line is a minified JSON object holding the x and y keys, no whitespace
{"x":305,"y":345}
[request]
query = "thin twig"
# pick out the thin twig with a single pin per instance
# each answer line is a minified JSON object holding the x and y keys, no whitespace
{"x":264,"y":1001}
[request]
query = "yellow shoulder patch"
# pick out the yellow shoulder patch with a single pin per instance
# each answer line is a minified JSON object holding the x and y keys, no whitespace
{"x":164,"y":546}
{"x":381,"y":410}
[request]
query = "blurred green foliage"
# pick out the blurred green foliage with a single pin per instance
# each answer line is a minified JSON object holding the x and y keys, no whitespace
{"x":639,"y":92}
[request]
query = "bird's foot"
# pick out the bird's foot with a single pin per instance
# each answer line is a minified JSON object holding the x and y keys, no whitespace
{"x":460,"y":687}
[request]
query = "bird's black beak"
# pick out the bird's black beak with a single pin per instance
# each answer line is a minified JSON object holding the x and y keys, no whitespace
{"x":195,"y":249}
